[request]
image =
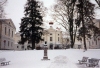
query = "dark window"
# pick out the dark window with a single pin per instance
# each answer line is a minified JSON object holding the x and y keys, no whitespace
{"x":17,"y":46}
{"x":58,"y":34}
{"x":12,"y":33}
{"x":50,"y":38}
{"x":4,"y":42}
{"x":50,"y":34}
{"x":79,"y":46}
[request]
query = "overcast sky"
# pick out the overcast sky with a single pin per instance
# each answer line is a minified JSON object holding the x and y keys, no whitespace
{"x":15,"y":8}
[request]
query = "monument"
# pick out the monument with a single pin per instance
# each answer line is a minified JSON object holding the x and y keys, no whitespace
{"x":45,"y":57}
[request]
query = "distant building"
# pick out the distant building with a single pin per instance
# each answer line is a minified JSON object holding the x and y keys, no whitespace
{"x":94,"y":42}
{"x":52,"y":37}
{"x":7,"y":32}
{"x":91,"y":43}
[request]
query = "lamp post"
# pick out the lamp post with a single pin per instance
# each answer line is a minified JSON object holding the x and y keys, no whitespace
{"x":45,"y":57}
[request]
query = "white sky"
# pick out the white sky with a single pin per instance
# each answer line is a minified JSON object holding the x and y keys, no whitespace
{"x":15,"y":8}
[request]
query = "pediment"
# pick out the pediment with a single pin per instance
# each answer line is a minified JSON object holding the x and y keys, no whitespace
{"x":8,"y":22}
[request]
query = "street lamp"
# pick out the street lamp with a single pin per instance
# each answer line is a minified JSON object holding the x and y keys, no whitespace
{"x":45,"y":57}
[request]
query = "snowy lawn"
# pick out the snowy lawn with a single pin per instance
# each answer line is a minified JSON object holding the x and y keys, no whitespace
{"x":33,"y":58}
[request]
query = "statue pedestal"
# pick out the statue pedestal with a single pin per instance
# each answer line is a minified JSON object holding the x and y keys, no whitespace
{"x":45,"y":54}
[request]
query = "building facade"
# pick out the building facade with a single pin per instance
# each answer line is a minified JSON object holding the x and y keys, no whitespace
{"x":94,"y":42}
{"x":91,"y":43}
{"x":7,"y":32}
{"x":52,"y":37}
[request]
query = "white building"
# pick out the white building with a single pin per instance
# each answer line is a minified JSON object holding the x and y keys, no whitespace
{"x":94,"y":42}
{"x":7,"y":32}
{"x":53,"y":37}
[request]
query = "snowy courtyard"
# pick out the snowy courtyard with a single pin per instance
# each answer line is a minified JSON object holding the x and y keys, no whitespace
{"x":58,"y":58}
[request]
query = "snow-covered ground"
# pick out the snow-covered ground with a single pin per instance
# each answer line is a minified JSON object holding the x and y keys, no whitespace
{"x":58,"y":58}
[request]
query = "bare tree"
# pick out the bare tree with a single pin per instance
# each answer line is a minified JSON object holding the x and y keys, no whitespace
{"x":2,"y":4}
{"x":64,"y":13}
{"x":98,"y":2}
{"x":86,"y":14}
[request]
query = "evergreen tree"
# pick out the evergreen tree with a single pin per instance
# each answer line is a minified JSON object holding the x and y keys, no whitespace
{"x":30,"y":27}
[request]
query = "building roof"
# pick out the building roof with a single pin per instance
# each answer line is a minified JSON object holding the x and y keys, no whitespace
{"x":7,"y":22}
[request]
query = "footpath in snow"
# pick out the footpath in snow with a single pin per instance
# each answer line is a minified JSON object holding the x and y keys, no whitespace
{"x":62,"y":62}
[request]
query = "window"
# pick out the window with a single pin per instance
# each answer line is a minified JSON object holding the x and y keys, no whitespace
{"x":8,"y":43}
{"x":5,"y":30}
{"x":17,"y":46}
{"x":50,"y":38}
{"x":58,"y":38}
{"x":4,"y":42}
{"x":79,"y":46}
{"x":58,"y":34}
{"x":9,"y":32}
{"x":12,"y":33}
{"x":50,"y":34}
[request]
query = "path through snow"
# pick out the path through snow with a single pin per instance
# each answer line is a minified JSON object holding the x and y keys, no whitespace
{"x":62,"y":62}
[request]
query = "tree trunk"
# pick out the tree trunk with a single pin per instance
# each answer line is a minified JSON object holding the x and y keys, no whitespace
{"x":75,"y":35}
{"x":84,"y":36}
{"x":85,"y":48}
{"x":71,"y":33}
{"x":33,"y":45}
